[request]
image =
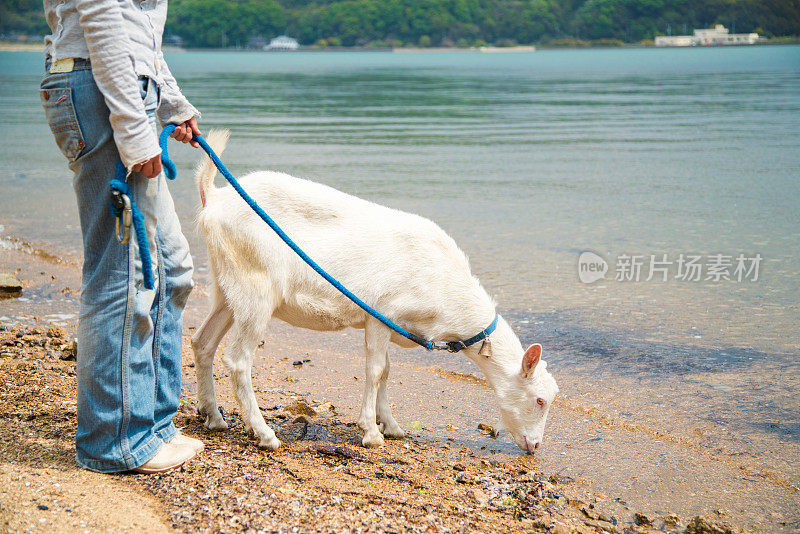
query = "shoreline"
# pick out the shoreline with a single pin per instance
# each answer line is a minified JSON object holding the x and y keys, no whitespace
{"x":39,"y":47}
{"x":333,"y":377}
{"x":21,"y":47}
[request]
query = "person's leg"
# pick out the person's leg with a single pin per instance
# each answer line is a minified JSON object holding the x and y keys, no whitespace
{"x":115,"y":371}
{"x":175,"y":284}
{"x":175,"y":274}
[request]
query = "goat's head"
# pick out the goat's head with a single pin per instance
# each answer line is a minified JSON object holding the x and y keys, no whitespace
{"x":526,"y":400}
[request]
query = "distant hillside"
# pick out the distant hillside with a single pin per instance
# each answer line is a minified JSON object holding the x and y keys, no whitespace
{"x":221,"y":23}
{"x":24,"y":17}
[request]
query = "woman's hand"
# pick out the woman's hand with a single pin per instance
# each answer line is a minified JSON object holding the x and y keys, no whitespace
{"x":150,"y":168}
{"x":186,"y":131}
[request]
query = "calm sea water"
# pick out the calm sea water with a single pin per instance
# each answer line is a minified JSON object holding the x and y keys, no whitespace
{"x":527,"y":159}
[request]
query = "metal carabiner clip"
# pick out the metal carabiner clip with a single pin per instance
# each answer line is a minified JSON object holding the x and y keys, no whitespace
{"x":127,"y":219}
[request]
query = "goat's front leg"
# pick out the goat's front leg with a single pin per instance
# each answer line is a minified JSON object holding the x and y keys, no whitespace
{"x":239,"y":364}
{"x":204,"y":344}
{"x":391,"y":429}
{"x":376,"y":345}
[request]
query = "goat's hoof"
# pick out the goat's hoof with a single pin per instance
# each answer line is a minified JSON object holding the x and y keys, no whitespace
{"x":216,"y":424}
{"x":394,"y":432}
{"x":372,"y":441}
{"x":270,"y":444}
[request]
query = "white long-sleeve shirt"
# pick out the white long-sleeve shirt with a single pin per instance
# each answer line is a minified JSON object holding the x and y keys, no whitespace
{"x":122,"y":39}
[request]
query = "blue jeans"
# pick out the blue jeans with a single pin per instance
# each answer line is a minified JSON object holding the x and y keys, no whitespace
{"x":129,"y":338}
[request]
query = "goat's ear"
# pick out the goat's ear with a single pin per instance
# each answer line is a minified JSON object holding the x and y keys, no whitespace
{"x":530,"y":359}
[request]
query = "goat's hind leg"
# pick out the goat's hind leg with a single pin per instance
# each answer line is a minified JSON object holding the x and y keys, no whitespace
{"x":248,"y":334}
{"x":204,"y":344}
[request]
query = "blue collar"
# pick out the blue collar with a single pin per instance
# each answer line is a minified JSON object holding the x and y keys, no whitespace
{"x":456,"y":346}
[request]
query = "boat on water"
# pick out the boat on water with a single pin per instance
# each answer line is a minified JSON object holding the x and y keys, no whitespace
{"x":282,"y":43}
{"x":718,"y":35}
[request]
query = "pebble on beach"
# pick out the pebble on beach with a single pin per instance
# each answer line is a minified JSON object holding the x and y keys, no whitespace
{"x":9,"y":284}
{"x":56,"y":332}
{"x":701,"y":525}
{"x":488,"y":430}
{"x":300,"y":407}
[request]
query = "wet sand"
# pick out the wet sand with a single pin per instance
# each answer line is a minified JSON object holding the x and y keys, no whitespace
{"x":628,"y":445}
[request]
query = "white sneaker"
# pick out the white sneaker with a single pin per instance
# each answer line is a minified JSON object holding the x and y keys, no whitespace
{"x":168,"y":457}
{"x":182,"y":439}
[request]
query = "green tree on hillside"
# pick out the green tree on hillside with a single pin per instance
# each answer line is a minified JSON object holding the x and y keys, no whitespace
{"x":633,"y":20}
{"x":216,"y":23}
{"x":25,"y":17}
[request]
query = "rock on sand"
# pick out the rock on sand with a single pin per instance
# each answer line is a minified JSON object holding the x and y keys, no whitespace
{"x":9,"y":284}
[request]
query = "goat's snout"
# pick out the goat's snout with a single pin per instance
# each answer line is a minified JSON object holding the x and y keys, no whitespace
{"x":530,"y":445}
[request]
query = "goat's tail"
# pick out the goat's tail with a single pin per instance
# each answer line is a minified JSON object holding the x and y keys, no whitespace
{"x":206,"y":171}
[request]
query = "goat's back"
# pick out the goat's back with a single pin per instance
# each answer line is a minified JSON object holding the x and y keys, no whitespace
{"x":396,"y":260}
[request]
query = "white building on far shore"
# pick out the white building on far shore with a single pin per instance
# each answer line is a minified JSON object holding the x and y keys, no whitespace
{"x":718,"y":35}
{"x":282,"y":42}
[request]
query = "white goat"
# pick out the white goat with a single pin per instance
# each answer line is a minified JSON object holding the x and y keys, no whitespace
{"x":402,"y":264}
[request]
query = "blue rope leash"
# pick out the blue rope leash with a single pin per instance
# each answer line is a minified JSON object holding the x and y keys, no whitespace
{"x":171,"y":171}
{"x":119,"y":184}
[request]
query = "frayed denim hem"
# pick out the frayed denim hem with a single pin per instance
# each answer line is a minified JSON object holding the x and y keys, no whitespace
{"x":141,"y":456}
{"x":166,"y":434}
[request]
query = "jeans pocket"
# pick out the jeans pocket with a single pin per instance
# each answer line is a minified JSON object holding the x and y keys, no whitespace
{"x":60,"y":112}
{"x":144,"y":83}
{"x":150,"y":93}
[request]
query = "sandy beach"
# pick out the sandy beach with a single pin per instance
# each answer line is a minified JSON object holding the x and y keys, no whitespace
{"x":6,"y":46}
{"x":446,"y":476}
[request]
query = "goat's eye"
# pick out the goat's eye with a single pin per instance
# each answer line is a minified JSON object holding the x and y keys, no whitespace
{"x":540,"y":402}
